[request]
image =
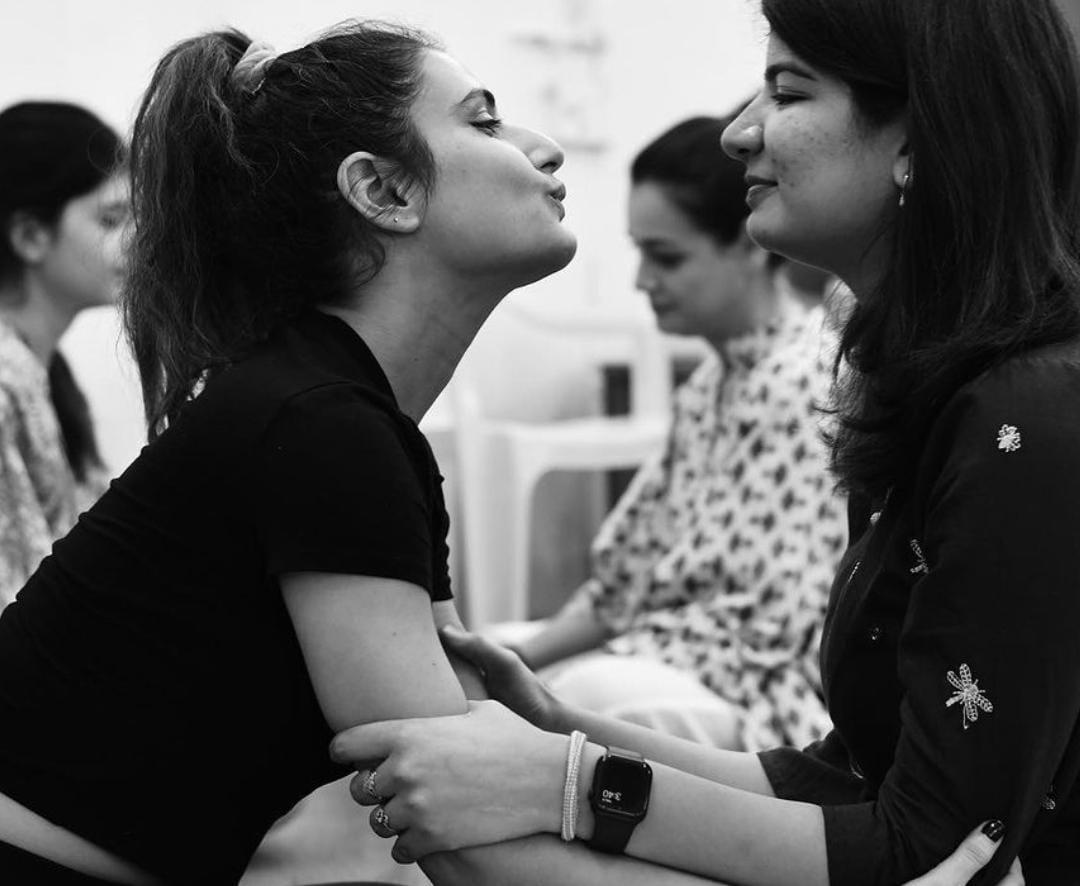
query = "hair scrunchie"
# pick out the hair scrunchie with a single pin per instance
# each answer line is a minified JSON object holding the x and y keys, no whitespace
{"x":250,"y":72}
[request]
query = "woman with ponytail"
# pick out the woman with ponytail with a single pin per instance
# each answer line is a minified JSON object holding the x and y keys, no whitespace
{"x":318,"y":235}
{"x":63,"y":209}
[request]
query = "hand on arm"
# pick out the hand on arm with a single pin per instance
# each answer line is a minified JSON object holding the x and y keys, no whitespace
{"x":508,"y":776}
{"x":510,"y":682}
{"x":969,"y":858}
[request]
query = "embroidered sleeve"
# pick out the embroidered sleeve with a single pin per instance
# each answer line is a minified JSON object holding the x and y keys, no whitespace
{"x":988,"y":654}
{"x":25,"y":536}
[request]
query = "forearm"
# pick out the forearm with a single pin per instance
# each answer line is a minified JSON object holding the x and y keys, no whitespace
{"x":574,"y":629}
{"x":732,"y":768}
{"x":544,"y":860}
{"x":719,"y":832}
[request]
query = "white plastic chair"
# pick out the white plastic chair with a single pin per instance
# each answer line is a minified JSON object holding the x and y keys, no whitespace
{"x":501,"y":461}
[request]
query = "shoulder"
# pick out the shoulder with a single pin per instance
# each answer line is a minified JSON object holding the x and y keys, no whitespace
{"x":341,"y":408}
{"x":1017,"y":424}
{"x":1036,"y":391}
{"x":291,"y":379}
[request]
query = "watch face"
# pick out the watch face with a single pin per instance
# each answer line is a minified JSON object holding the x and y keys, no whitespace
{"x":623,"y":788}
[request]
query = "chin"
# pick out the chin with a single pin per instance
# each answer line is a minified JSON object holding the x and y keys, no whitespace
{"x":792,"y":248}
{"x":554,"y":258}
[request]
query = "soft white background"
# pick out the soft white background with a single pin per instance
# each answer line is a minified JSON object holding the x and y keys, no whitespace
{"x":660,"y":62}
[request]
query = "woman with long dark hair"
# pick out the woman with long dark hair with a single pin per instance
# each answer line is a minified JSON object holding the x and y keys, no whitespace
{"x":925,"y":152}
{"x":63,"y":209}
{"x":318,"y":236}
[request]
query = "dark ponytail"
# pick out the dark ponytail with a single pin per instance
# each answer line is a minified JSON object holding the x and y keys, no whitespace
{"x":73,"y":416}
{"x":239,"y":225}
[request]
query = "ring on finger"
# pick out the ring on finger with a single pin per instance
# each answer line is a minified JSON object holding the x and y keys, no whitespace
{"x":380,"y":822}
{"x":369,"y":790}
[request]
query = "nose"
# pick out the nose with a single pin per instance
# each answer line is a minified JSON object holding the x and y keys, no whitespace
{"x":744,"y":136}
{"x":544,"y":153}
{"x":644,"y":281}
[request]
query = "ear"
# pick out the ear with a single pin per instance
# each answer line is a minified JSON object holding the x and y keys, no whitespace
{"x":377,"y":189}
{"x":30,"y":238}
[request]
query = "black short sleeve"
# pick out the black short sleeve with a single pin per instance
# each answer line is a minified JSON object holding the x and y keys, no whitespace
{"x":340,"y":487}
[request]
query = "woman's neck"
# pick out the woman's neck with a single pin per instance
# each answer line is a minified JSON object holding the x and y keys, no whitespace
{"x":38,"y":319}
{"x":418,"y":331}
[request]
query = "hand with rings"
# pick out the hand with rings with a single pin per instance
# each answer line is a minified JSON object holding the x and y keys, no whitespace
{"x":364,"y":789}
{"x":380,"y":822}
{"x":489,"y":763}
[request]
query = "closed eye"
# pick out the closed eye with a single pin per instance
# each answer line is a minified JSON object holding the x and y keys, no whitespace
{"x":784,"y":98}
{"x":491,"y":126}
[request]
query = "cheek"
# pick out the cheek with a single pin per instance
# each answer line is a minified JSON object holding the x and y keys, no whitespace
{"x":808,"y":160}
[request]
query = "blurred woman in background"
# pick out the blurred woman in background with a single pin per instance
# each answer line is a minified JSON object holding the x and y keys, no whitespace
{"x":63,"y":209}
{"x":710,"y":576}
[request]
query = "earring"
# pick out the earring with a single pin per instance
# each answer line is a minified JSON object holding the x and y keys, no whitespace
{"x":903,"y":189}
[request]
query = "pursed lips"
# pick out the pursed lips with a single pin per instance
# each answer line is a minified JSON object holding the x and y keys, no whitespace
{"x":557,"y":195}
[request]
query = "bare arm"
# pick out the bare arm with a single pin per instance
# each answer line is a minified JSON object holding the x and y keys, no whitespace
{"x":509,"y":776}
{"x":514,"y":685}
{"x":544,"y":860}
{"x":572,"y":630}
{"x":735,"y":769}
{"x":371,"y":647}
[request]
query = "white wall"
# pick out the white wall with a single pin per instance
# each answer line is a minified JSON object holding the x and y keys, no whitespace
{"x":601,"y":76}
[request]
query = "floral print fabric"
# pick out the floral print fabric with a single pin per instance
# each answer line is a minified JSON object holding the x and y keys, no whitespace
{"x":719,"y":557}
{"x":39,"y":496}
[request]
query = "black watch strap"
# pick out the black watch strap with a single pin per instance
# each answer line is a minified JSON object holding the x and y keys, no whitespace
{"x":611,"y":834}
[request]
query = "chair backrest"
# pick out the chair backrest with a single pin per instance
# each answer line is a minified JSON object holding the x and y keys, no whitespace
{"x":533,"y":367}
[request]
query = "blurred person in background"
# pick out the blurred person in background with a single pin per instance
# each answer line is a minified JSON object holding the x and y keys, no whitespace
{"x":63,"y":211}
{"x":710,"y":577}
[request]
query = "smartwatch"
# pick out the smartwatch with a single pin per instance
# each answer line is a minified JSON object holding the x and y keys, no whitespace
{"x":619,"y":798}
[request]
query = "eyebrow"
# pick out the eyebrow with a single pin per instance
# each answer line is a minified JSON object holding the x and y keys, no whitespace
{"x":775,"y":70}
{"x":473,"y":94}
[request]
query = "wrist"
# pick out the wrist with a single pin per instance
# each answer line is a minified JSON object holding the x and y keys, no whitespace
{"x":562,"y":717}
{"x":520,"y":650}
{"x":551,"y":792}
{"x":586,"y":821}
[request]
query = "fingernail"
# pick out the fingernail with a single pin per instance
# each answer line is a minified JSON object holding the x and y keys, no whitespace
{"x":451,"y":629}
{"x":994,"y":829}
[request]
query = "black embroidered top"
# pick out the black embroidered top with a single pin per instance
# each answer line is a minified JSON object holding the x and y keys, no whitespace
{"x":951,"y":659}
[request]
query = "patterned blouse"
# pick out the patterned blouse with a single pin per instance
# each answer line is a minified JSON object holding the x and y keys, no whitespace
{"x":39,"y":496}
{"x":719,"y":557}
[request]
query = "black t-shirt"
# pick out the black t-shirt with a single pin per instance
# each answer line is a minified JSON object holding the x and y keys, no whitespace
{"x":153,"y":696}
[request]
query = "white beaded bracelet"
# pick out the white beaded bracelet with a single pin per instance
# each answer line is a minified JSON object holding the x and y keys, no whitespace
{"x":570,"y":788}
